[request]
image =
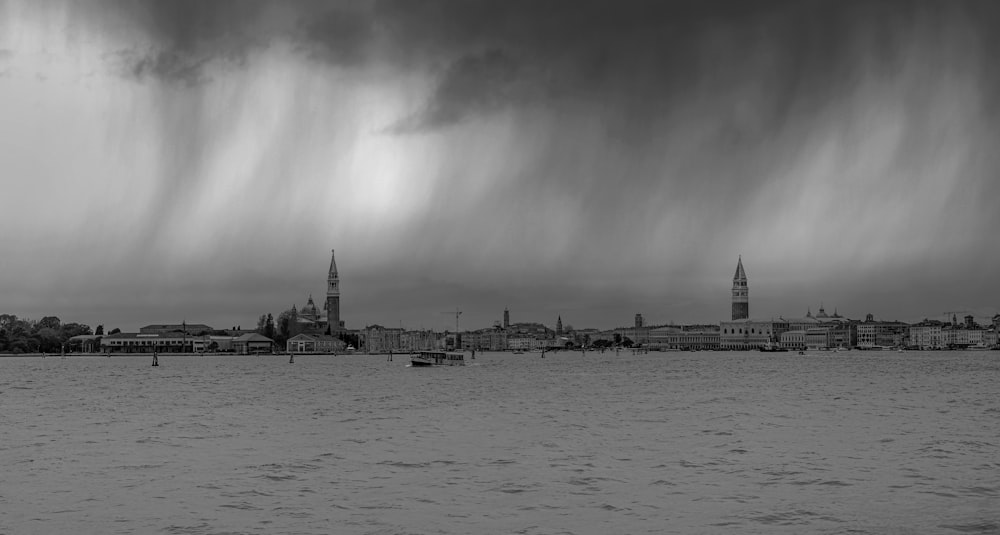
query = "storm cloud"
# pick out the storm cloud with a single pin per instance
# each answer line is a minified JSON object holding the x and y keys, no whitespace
{"x":590,"y":159}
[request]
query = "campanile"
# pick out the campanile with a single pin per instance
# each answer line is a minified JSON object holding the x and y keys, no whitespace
{"x":333,"y":295}
{"x":741,"y":300}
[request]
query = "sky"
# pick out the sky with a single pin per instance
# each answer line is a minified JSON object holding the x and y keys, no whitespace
{"x":589,"y":160}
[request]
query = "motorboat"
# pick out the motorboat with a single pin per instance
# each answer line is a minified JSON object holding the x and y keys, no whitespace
{"x":437,"y":358}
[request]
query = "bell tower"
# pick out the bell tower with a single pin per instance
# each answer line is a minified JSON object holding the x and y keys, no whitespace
{"x":332,"y":305}
{"x":741,"y":300}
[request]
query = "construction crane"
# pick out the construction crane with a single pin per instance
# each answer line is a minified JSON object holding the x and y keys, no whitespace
{"x":457,"y":313}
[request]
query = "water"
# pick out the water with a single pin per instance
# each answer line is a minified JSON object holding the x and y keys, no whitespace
{"x":660,"y":443}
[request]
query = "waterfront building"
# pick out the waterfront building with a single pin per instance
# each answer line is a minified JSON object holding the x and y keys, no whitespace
{"x":793,"y":340}
{"x":89,"y":343}
{"x":638,"y":335}
{"x":990,"y":337}
{"x":252,"y":344}
{"x":927,"y":335}
{"x":381,"y":339}
{"x":309,"y":319}
{"x":184,"y":327}
{"x":741,"y":298}
{"x":817,"y":338}
{"x":323,"y":344}
{"x":679,"y":337}
{"x":748,"y":334}
{"x":164,"y":342}
{"x":960,"y":336}
{"x":492,"y":339}
{"x":419,"y":340}
{"x":879,"y":334}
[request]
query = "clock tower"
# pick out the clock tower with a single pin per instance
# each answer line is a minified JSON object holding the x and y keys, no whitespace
{"x":332,"y":305}
{"x":741,"y":300}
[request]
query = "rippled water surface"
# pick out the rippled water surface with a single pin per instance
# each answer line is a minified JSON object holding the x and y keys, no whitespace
{"x":659,"y":443}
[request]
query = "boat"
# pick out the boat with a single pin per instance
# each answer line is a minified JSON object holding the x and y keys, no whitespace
{"x":978,"y":347}
{"x":437,"y":358}
{"x":771,"y":348}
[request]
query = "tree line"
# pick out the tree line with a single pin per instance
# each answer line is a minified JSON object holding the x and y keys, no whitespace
{"x":47,"y":335}
{"x":280,"y":329}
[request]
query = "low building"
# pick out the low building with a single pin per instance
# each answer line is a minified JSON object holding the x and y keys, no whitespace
{"x":677,"y":337}
{"x":88,"y":343}
{"x":873,"y":334}
{"x":253,"y":343}
{"x":167,"y":342}
{"x":166,"y":328}
{"x":322,"y":344}
{"x":927,"y":335}
{"x":793,"y":340}
{"x":817,"y":338}
{"x":990,"y":337}
{"x":381,"y":339}
{"x":748,"y":333}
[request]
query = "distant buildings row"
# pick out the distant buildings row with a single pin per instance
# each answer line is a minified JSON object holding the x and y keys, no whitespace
{"x":309,"y":331}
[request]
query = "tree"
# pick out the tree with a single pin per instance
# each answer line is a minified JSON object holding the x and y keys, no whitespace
{"x":70,"y":330}
{"x":49,"y":340}
{"x":116,"y":330}
{"x":262,"y":324}
{"x":48,"y":322}
{"x":627,"y":342}
{"x":618,"y":339}
{"x":7,"y":322}
{"x":99,"y":331}
{"x":269,"y":326}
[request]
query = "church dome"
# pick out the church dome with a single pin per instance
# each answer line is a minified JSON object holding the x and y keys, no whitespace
{"x":310,"y":311}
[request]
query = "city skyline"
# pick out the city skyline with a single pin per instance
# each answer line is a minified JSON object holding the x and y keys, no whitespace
{"x":590,"y":160}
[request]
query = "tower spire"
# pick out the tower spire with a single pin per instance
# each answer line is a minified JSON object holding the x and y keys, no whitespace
{"x":741,"y":298}
{"x":332,"y":304}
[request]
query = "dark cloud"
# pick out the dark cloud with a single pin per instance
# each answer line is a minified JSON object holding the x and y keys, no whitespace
{"x":339,"y":36}
{"x":473,"y":84}
{"x":163,"y":65}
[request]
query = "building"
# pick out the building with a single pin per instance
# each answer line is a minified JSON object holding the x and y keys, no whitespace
{"x":420,"y":340}
{"x":309,"y":319}
{"x":741,"y":298}
{"x":184,"y":327}
{"x":489,"y":339}
{"x":680,"y":337}
{"x":379,"y":339}
{"x":253,"y":344}
{"x":927,"y":335}
{"x":793,"y":340}
{"x":323,"y":344}
{"x":873,"y":334}
{"x":748,"y":334}
{"x":332,"y":305}
{"x":166,"y":342}
{"x":817,"y":338}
